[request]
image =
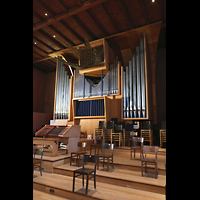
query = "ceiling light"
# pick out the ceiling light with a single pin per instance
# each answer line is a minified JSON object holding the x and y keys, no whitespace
{"x":54,"y":36}
{"x":153,"y":1}
{"x":45,"y":14}
{"x":35,"y":42}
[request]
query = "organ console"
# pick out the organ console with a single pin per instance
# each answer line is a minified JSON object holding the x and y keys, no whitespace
{"x":69,"y":134}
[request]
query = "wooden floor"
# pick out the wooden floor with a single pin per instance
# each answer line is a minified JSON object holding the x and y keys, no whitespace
{"x":123,"y":182}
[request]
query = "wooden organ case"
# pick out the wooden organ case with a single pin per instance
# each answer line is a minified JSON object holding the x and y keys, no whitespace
{"x":110,"y":88}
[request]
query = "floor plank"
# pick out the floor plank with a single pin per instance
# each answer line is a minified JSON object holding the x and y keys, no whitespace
{"x":103,"y":190}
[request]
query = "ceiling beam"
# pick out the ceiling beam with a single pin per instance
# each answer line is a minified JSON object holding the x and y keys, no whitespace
{"x":97,"y":21}
{"x":127,"y":15}
{"x":145,"y":11}
{"x":109,"y":16}
{"x":51,"y":39}
{"x":41,"y":42}
{"x":72,"y":11}
{"x":73,"y":32}
{"x":47,"y":9}
{"x":84,"y":27}
{"x":61,"y":34}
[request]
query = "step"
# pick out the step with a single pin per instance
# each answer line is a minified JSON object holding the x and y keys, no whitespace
{"x":121,"y":177}
{"x":61,"y":185}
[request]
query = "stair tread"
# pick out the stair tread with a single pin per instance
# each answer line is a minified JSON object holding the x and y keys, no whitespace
{"x":103,"y":190}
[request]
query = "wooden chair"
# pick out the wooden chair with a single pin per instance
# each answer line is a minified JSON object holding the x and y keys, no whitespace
{"x":97,"y":144}
{"x":104,"y":156}
{"x":78,"y":154}
{"x":126,"y":137}
{"x":150,"y":161}
{"x":108,"y":135}
{"x":38,"y":163}
{"x":162,"y":136}
{"x":136,"y":147}
{"x":147,"y":134}
{"x":117,"y":135}
{"x":86,"y":171}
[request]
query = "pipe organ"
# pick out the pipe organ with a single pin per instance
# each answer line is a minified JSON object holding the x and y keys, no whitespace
{"x":62,"y":100}
{"x":85,"y":87}
{"x":134,"y":80}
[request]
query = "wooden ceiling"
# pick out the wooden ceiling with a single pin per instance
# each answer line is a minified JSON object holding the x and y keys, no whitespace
{"x":56,"y":22}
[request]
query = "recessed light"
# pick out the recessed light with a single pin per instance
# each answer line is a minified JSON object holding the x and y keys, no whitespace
{"x":153,"y":1}
{"x":35,"y":42}
{"x":45,"y":14}
{"x":54,"y":36}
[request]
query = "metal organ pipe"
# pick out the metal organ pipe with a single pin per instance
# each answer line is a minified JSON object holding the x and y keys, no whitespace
{"x":62,"y":93}
{"x":134,"y":91}
{"x":110,"y":83}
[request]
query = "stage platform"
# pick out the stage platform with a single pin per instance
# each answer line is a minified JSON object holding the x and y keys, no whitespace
{"x":126,"y":176}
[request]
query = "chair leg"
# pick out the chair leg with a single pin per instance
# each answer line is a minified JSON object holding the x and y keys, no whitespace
{"x":145,"y":167}
{"x":142,"y":167}
{"x":112,"y":163}
{"x":83,"y":179}
{"x":95,"y":180}
{"x":87,"y":184}
{"x":131,"y":154}
{"x":40,"y":170}
{"x":98,"y":163}
{"x":134,"y":153}
{"x":156,"y":170}
{"x":108,"y":164}
{"x":73,"y":182}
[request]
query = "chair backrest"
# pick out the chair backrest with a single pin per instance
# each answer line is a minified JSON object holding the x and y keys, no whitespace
{"x":83,"y":145}
{"x":90,"y":158}
{"x":118,"y":128}
{"x":129,"y":127}
{"x":137,"y":140}
{"x":150,"y":149}
{"x":107,"y":146}
{"x":110,"y":125}
{"x":101,"y":124}
{"x":38,"y":152}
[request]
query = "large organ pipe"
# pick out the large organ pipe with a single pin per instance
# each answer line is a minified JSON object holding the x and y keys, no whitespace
{"x":133,"y":81}
{"x":142,"y":76}
{"x":124,"y":94}
{"x":127,"y":93}
{"x":131,"y":88}
{"x":134,"y":86}
{"x":138,"y":82}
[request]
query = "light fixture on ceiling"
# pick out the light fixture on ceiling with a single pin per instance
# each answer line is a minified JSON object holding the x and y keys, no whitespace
{"x":153,"y":1}
{"x":45,"y":14}
{"x":54,"y":36}
{"x":35,"y":42}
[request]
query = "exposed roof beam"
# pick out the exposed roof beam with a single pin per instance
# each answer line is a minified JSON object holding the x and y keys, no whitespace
{"x":79,"y":37}
{"x":49,"y":37}
{"x":61,"y":34}
{"x":75,"y":10}
{"x":127,"y":14}
{"x":47,"y":9}
{"x":98,"y":22}
{"x":145,"y":11}
{"x":84,"y":27}
{"x":46,"y":45}
{"x":112,"y":21}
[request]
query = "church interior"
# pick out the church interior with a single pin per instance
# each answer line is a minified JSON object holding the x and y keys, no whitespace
{"x":99,"y":99}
